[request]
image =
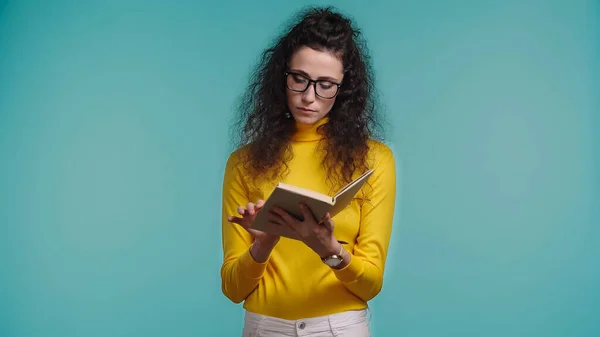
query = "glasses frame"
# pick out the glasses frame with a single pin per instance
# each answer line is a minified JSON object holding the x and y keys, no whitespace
{"x":313,"y":83}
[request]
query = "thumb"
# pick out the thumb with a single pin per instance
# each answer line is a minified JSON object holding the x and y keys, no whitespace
{"x":240,"y":221}
{"x":328,"y":222}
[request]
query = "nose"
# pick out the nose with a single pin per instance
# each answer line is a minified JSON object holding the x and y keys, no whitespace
{"x":308,"y":95}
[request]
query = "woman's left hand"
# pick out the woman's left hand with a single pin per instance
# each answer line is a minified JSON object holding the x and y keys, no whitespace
{"x":318,"y":235}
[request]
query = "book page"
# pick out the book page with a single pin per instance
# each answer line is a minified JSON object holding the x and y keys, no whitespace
{"x":345,"y":195}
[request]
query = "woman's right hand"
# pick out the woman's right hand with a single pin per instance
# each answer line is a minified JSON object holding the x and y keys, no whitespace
{"x":263,"y":242}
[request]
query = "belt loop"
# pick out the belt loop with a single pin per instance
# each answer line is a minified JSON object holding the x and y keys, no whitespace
{"x":331,"y":327}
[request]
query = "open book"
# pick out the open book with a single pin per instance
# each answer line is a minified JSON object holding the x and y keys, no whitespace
{"x":288,"y":198}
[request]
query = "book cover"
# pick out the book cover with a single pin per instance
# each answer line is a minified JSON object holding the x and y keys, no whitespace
{"x":288,"y":198}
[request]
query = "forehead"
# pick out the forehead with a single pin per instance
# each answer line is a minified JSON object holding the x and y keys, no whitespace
{"x":317,"y":64}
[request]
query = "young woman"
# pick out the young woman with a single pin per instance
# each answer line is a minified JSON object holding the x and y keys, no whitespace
{"x":308,"y":119}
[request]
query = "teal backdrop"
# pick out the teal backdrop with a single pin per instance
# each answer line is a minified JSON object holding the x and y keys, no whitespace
{"x":114,"y":120}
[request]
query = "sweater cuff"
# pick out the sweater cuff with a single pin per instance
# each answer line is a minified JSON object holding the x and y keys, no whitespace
{"x":352,"y":271}
{"x":250,"y":267}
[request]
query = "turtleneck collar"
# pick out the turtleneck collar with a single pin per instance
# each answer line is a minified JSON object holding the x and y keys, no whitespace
{"x":309,"y":132}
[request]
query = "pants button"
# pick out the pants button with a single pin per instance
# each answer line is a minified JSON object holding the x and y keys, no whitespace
{"x":302,"y":325}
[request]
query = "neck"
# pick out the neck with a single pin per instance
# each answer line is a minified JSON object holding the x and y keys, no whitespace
{"x":309,"y":132}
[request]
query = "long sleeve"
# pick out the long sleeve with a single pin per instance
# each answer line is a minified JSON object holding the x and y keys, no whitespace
{"x":240,"y":273}
{"x":363,"y":276}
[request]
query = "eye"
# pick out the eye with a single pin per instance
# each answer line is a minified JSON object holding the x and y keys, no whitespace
{"x":326,"y":85}
{"x":299,"y":78}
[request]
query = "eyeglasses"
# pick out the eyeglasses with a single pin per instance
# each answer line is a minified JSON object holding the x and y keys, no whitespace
{"x":299,"y":83}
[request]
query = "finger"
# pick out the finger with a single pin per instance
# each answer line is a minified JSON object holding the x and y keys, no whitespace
{"x":241,"y":210}
{"x":307,"y":213}
{"x":253,"y":232}
{"x":290,"y":222}
{"x":259,"y":204}
{"x":328,"y":222}
{"x":275,"y":223}
{"x":232,"y":218}
{"x":276,"y":218}
{"x":239,"y":221}
{"x":291,"y":228}
{"x":250,"y":208}
{"x":285,"y":215}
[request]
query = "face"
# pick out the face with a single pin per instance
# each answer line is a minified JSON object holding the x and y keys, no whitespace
{"x":307,"y":107}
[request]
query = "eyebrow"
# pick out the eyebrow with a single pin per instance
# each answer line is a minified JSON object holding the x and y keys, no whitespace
{"x":326,"y":78}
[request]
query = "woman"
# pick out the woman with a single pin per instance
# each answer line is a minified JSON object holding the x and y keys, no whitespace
{"x":308,"y":119}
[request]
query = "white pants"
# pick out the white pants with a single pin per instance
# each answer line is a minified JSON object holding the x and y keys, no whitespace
{"x":345,"y":324}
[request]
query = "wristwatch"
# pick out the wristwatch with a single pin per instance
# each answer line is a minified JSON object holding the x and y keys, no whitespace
{"x":334,"y":260}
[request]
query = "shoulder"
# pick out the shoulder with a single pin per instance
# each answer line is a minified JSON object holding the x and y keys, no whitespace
{"x":234,"y":164}
{"x":379,"y":153}
{"x":236,"y":158}
{"x":234,"y":173}
{"x":380,"y":158}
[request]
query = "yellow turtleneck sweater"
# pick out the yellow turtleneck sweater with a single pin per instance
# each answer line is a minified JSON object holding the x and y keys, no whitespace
{"x":294,"y":283}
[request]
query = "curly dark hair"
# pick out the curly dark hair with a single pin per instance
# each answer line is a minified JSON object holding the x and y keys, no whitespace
{"x":262,"y":126}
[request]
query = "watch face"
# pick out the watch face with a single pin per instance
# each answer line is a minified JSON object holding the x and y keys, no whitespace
{"x":333,"y":262}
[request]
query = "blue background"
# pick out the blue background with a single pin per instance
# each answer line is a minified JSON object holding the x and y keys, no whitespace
{"x":114,"y":121}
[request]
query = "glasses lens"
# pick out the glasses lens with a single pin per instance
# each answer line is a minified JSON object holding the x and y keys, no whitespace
{"x":326,"y":89}
{"x":296,"y":82}
{"x":300,"y":83}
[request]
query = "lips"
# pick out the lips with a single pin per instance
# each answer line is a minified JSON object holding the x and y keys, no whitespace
{"x":306,"y":109}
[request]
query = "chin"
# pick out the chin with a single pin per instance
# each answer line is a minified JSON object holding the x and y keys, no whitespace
{"x":306,"y":119}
